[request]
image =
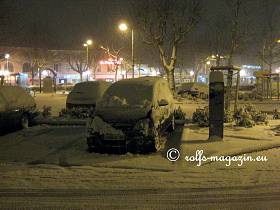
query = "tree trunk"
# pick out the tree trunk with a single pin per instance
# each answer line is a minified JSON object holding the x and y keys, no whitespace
{"x":40,"y":80}
{"x":81,"y":76}
{"x":170,"y":78}
{"x":116,"y":74}
{"x":228,"y":90}
{"x":236,"y":91}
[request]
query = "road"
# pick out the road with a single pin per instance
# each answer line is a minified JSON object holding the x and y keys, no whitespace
{"x":203,"y":198}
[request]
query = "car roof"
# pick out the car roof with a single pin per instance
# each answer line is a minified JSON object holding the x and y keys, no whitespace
{"x":141,"y":81}
{"x":14,"y":97}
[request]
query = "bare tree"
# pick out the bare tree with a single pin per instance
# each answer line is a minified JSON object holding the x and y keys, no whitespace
{"x":270,"y":49}
{"x":165,"y":24}
{"x":78,"y":62}
{"x":38,"y":58}
{"x":230,"y":32}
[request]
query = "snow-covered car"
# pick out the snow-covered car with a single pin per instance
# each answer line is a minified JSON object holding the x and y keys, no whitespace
{"x":193,"y":89}
{"x":17,"y":108}
{"x":132,"y":115}
{"x":84,"y":95}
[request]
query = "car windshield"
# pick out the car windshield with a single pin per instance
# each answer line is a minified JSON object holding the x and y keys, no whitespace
{"x":128,"y":95}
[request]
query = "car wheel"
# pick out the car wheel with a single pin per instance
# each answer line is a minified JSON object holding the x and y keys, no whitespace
{"x":24,"y":121}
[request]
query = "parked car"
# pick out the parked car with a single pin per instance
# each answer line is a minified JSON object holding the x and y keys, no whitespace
{"x":17,"y":108}
{"x":84,"y":96}
{"x":197,"y":90}
{"x":132,"y":115}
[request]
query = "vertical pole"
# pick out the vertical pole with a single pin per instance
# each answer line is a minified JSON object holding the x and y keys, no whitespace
{"x":236,"y":91}
{"x":87,"y":62}
{"x":7,"y":64}
{"x":132,"y":52}
{"x":267,"y":88}
{"x":40,"y":80}
{"x":278,"y":90}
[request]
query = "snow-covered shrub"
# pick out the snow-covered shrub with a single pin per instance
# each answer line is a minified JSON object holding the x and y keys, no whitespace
{"x":260,"y":118}
{"x":201,"y":116}
{"x":276,"y":114}
{"x":243,"y":118}
{"x":77,"y":112}
{"x":248,"y":116}
{"x":179,"y":114}
{"x":46,"y":111}
{"x":228,"y":116}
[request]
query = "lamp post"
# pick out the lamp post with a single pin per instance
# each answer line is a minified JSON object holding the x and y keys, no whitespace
{"x":124,"y":27}
{"x":87,"y":44}
{"x":7,"y":56}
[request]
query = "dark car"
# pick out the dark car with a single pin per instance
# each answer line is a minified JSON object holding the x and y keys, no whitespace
{"x":133,"y":114}
{"x":85,"y":95}
{"x":17,"y":108}
{"x":82,"y":100}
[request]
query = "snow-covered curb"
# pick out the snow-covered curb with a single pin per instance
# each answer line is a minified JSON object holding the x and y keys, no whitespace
{"x":58,"y":121}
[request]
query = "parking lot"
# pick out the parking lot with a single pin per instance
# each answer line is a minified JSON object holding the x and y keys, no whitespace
{"x":46,"y":160}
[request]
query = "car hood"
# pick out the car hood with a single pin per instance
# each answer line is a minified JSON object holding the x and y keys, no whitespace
{"x":123,"y":114}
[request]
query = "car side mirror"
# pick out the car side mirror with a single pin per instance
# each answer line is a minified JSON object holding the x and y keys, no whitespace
{"x":163,"y":102}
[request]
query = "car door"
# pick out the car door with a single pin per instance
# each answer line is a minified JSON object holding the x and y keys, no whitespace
{"x":165,"y":104}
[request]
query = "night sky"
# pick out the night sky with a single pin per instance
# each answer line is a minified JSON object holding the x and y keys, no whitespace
{"x":65,"y":24}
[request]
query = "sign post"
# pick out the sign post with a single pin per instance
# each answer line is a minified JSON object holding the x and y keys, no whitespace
{"x":216,"y":105}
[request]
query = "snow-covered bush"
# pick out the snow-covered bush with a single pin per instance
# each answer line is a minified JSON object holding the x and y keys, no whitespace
{"x":77,"y":112}
{"x":201,"y":116}
{"x":248,"y":116}
{"x":243,"y":118}
{"x":276,"y":114}
{"x":228,"y":116}
{"x":179,"y":114}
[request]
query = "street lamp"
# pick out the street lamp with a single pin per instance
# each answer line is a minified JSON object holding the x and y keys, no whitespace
{"x":87,"y":44}
{"x":7,"y":56}
{"x":124,"y":27}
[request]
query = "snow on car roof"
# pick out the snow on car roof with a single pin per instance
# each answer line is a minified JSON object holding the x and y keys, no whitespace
{"x":87,"y":92}
{"x":137,"y":91}
{"x":194,"y":86}
{"x":14,"y":97}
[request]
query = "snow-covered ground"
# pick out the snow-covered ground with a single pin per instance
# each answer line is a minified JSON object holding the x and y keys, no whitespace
{"x":49,"y":167}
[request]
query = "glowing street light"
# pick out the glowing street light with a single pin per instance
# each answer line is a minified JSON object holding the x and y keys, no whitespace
{"x":208,"y":62}
{"x":89,"y":42}
{"x":278,"y":41}
{"x":123,"y":27}
{"x":191,"y":73}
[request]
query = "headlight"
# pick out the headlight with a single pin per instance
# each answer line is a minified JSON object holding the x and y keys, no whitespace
{"x":142,"y":126}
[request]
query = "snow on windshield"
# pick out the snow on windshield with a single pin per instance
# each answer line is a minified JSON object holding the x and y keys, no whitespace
{"x":128,"y":95}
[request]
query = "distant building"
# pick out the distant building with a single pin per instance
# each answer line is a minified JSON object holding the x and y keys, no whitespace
{"x":18,"y":68}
